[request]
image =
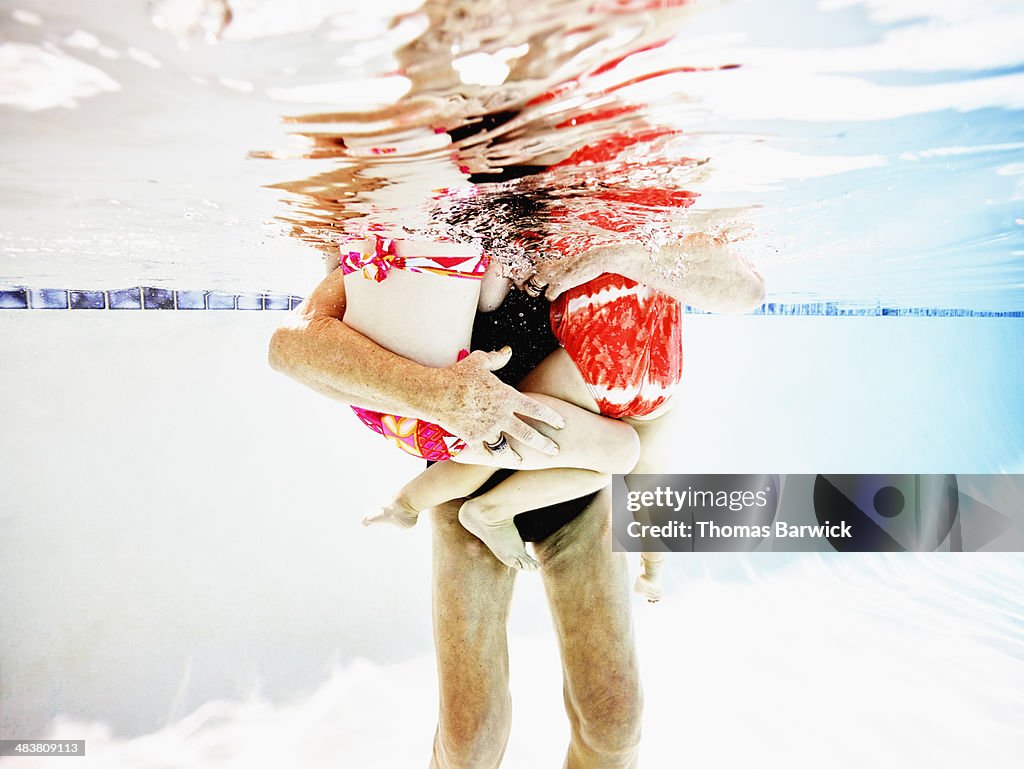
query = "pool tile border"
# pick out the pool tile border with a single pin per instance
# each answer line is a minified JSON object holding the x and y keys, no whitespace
{"x":153,"y":298}
{"x":141,"y":298}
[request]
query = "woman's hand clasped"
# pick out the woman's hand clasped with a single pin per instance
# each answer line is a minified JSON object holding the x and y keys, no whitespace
{"x":482,"y":410}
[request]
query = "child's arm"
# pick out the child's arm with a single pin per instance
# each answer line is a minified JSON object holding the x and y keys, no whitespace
{"x":700,"y":270}
{"x":493,"y":288}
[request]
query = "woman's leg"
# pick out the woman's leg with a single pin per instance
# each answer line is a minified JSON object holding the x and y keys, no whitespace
{"x":471,"y":596}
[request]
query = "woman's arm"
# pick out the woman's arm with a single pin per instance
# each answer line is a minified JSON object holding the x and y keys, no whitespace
{"x":317,"y":349}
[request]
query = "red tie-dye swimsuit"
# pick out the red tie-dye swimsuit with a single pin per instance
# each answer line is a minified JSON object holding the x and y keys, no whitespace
{"x":624,"y":337}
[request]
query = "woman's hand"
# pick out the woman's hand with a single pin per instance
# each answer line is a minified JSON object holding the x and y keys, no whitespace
{"x":478,"y":407}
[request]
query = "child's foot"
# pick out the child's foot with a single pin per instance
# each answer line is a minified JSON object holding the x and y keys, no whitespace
{"x":399,"y":513}
{"x":649,"y":587}
{"x":501,"y":537}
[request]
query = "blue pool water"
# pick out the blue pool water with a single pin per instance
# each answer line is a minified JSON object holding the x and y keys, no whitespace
{"x":875,"y":149}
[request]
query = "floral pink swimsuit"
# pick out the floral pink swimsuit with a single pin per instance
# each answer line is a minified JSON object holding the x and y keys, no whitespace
{"x":413,"y":436}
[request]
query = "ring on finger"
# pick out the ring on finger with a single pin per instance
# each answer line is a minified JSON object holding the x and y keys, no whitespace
{"x":535,"y":287}
{"x":497,"y":446}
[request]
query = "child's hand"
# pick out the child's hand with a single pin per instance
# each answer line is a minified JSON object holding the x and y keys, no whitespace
{"x":555,"y":276}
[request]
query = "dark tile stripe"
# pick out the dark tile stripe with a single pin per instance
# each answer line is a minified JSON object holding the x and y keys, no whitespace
{"x":151,"y":298}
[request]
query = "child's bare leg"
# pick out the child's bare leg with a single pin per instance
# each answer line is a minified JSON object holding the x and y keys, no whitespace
{"x":591,"y":447}
{"x":652,"y":433}
{"x":490,"y":515}
{"x":397,"y":512}
{"x":439,"y":483}
{"x":648,"y":581}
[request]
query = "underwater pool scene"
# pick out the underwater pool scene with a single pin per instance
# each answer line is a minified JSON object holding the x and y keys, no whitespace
{"x":184,"y":579}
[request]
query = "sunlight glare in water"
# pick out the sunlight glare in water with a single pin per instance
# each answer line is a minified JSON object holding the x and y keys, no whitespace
{"x":867,"y":154}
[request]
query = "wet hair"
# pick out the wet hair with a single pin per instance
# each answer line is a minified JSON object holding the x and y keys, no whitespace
{"x":508,"y":219}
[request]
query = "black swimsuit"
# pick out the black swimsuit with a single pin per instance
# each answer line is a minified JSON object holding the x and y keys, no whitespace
{"x":523,"y":323}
